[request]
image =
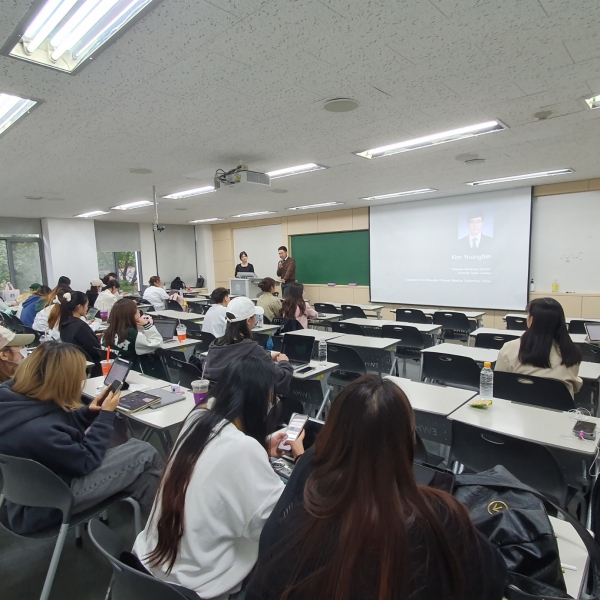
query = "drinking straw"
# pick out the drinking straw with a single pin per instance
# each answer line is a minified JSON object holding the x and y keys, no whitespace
{"x":108,"y":353}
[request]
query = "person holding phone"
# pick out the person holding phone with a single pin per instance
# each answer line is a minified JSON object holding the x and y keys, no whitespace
{"x":353,"y":523}
{"x":42,"y":419}
{"x":219,"y":488}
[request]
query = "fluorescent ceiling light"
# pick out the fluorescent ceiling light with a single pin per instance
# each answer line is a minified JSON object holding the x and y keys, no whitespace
{"x":433,"y":140}
{"x":130,"y":205}
{"x":65,"y":33}
{"x":207,"y":189}
{"x":12,"y":108}
{"x":93,"y":213}
{"x":206,"y":220}
{"x":398,"y":194}
{"x":519,"y":177}
{"x":255,"y":214}
{"x":308,"y":168}
{"x":593,"y":102}
{"x":316,"y":205}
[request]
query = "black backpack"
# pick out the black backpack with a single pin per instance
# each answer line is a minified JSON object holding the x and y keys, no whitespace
{"x":514,"y":518}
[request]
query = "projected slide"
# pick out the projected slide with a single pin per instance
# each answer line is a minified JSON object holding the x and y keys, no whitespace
{"x":464,"y":251}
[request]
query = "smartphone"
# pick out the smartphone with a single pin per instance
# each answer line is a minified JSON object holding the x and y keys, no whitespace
{"x":293,"y":431}
{"x":585,"y":429}
{"x":114,"y":387}
{"x":304,"y":369}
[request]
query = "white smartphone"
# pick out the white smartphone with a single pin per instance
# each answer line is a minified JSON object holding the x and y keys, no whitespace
{"x":293,"y":431}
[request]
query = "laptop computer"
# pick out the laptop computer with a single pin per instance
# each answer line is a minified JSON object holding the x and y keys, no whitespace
{"x":298,"y":348}
{"x":166,"y":329}
{"x":593,"y":332}
{"x":246,"y":275}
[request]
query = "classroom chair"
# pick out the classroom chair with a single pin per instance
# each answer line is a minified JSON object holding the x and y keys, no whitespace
{"x":412,"y":315}
{"x":352,"y":312}
{"x":153,"y":364}
{"x":458,"y":371}
{"x":347,"y":328}
{"x":455,"y":325}
{"x":480,"y":450}
{"x":495,"y":341}
{"x":195,"y":308}
{"x":262,"y":338}
{"x":129,"y":583}
{"x":516,"y":323}
{"x":29,"y":483}
{"x":174,"y":305}
{"x":350,"y":365}
{"x":325,"y":307}
{"x":206,"y":339}
{"x":182,"y":372}
{"x":412,"y":342}
{"x":577,"y":326}
{"x":590,"y":353}
{"x":537,"y":391}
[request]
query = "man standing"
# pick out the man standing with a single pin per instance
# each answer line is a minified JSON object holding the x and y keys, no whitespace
{"x":286,"y":270}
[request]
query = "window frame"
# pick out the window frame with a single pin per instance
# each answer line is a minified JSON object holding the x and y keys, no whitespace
{"x":9,"y":239}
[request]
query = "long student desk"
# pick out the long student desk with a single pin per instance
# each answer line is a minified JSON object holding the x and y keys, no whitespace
{"x":376,"y":308}
{"x":324,"y":320}
{"x":472,"y":315}
{"x":378,"y":353}
{"x":567,"y":319}
{"x":178,"y":316}
{"x":373,"y":327}
{"x":578,"y":338}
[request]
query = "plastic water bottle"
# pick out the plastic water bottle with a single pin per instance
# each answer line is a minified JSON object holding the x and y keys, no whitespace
{"x":261,"y":321}
{"x":486,"y":382}
{"x":269,"y":345}
{"x":322,"y":352}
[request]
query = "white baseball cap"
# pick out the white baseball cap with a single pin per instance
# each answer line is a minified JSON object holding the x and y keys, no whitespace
{"x":9,"y":338}
{"x":242,"y":308}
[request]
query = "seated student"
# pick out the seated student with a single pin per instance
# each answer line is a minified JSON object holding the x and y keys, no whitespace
{"x":107,"y":298}
{"x":352,"y":522}
{"x":108,"y":277}
{"x":269,"y":303}
{"x":42,"y":418}
{"x":218,"y":489}
{"x":295,"y":307}
{"x":545,"y":349}
{"x":47,"y":318}
{"x":64,"y":281}
{"x":215,"y":321}
{"x":155,"y":294}
{"x":28,"y":308}
{"x":238,"y":342}
{"x":130,"y":333}
{"x":96,"y":286}
{"x":12,"y":351}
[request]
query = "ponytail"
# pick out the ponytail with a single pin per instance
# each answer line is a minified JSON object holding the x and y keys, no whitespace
{"x":68,"y":303}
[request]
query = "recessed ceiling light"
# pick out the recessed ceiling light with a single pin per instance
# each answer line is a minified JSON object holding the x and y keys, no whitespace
{"x":341,"y":105}
{"x":207,"y":189}
{"x":307,"y":168}
{"x":34,"y":197}
{"x":62,"y":34}
{"x":130,"y":205}
{"x":316,"y":205}
{"x":433,"y":140}
{"x":93,"y":213}
{"x":278,"y":191}
{"x":206,"y":220}
{"x":398,"y":194}
{"x":593,"y":102}
{"x":255,"y":214}
{"x":475,"y":161}
{"x":12,"y":108}
{"x":140,"y":171}
{"x":519,"y":177}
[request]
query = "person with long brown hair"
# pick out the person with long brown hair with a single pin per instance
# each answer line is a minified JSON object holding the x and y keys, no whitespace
{"x":219,"y":488}
{"x":47,"y":319}
{"x":296,"y":307}
{"x":353,"y":524}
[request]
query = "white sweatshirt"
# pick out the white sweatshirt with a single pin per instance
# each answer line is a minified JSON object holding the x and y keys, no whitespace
{"x":215,"y":321}
{"x":105,"y":301}
{"x":231,"y":494}
{"x":157,"y":297}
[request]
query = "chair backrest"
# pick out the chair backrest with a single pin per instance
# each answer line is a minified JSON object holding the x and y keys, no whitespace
{"x":348,"y":328}
{"x":37,"y":335}
{"x":590,"y":353}
{"x":411,"y":315}
{"x":291,"y":325}
{"x":481,"y":450}
{"x":450,"y":369}
{"x":129,"y":583}
{"x":325,"y":307}
{"x":348,"y":359}
{"x":206,"y":339}
{"x":420,"y":450}
{"x":266,"y":320}
{"x":196,"y":308}
{"x":278,"y":321}
{"x":186,"y":371}
{"x":453,"y":321}
{"x":528,"y":389}
{"x":516,"y":323}
{"x":577,"y":326}
{"x":350,"y":311}
{"x":493,"y":340}
{"x":153,"y":365}
{"x":29,"y":483}
{"x":409,"y":336}
{"x":174,"y":305}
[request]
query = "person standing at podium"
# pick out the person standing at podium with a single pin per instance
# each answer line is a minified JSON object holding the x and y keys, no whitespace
{"x":244,"y":266}
{"x":286,"y":270}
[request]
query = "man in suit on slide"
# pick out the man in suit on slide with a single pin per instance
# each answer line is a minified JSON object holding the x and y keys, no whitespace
{"x":476,"y":242}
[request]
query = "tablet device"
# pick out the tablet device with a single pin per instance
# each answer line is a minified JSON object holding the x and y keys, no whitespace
{"x":91,"y":314}
{"x":166,"y":397}
{"x":593,"y":332}
{"x":119,"y":371}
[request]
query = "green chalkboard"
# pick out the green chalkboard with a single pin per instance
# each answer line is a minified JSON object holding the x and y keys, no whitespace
{"x":340,"y":258}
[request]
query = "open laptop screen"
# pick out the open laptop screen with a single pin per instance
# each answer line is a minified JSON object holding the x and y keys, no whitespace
{"x":166,"y":328}
{"x":298,"y":348}
{"x":593,"y":331}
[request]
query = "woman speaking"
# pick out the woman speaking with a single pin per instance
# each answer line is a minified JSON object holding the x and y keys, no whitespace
{"x":244,"y":266}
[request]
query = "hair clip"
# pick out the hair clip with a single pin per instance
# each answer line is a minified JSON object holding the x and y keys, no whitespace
{"x":67,"y":297}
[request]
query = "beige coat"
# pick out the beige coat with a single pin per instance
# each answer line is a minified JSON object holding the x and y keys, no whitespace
{"x":508,"y":360}
{"x":270,"y":304}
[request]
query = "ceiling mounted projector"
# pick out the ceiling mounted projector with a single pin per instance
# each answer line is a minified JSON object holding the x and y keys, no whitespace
{"x":240,"y":177}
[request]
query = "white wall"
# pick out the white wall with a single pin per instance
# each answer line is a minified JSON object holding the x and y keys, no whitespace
{"x":260,"y":243}
{"x":70,"y":249}
{"x":205,"y":255}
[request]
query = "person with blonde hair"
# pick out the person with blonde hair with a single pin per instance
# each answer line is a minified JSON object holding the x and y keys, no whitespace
{"x":42,"y":419}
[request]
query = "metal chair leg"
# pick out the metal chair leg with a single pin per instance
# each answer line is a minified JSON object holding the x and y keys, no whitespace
{"x":137,"y":514}
{"x":78,"y":536}
{"x":58,"y":548}
{"x":322,"y":408}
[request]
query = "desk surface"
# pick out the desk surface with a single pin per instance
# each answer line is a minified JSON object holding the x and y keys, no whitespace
{"x":568,"y":319}
{"x":422,"y":327}
{"x":548,"y":427}
{"x":266,"y":328}
{"x":364,"y":341}
{"x":175,"y":343}
{"x":430,"y":311}
{"x":477,"y":354}
{"x":436,"y":399}
{"x":317,"y":371}
{"x":178,"y":316}
{"x":326,"y":317}
{"x":90,"y":388}
{"x":318,"y":334}
{"x":374,"y":307}
{"x":578,"y":338}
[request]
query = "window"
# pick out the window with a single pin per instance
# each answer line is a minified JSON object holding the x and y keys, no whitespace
{"x":124,"y":264}
{"x":20,"y":261}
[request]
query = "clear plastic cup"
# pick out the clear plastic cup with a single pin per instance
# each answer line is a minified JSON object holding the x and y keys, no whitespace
{"x":200,"y":391}
{"x":106,"y":366}
{"x":104,"y":316}
{"x":181,"y":333}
